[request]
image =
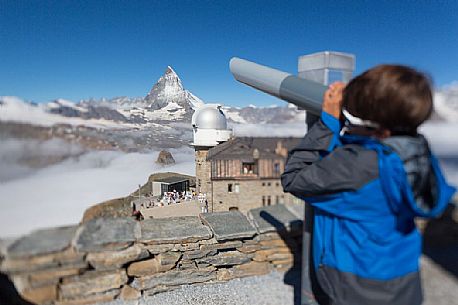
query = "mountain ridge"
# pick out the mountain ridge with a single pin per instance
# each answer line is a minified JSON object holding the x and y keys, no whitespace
{"x":169,"y":101}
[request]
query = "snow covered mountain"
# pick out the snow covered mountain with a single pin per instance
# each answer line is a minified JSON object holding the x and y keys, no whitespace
{"x":84,"y":111}
{"x":13,"y":109}
{"x":169,"y":89}
{"x":264,"y":115}
{"x":167,"y":101}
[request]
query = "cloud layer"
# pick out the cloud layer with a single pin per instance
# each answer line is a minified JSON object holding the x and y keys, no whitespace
{"x":20,"y":158}
{"x":446,"y":102}
{"x":59,"y":194}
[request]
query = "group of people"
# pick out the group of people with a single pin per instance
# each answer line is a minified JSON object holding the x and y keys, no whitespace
{"x":175,"y":197}
{"x":169,"y":198}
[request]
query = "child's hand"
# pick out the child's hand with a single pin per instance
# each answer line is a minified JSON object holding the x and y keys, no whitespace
{"x":332,"y":101}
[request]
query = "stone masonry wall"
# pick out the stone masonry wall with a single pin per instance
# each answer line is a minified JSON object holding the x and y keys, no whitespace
{"x":120,"y":258}
{"x":250,"y":194}
{"x":203,"y":180}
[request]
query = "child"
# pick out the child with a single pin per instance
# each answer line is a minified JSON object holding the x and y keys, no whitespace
{"x":368,"y":173}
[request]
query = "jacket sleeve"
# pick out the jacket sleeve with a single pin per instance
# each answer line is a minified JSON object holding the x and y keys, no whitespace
{"x":321,"y":165}
{"x":319,"y":141}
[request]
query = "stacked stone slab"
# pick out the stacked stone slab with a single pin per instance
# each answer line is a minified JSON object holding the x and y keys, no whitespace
{"x":120,"y":258}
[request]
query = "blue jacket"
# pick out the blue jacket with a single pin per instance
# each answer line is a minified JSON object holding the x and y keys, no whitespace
{"x":366,"y":194}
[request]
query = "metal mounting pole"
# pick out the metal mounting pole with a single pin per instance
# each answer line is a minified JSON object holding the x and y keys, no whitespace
{"x":325,"y":68}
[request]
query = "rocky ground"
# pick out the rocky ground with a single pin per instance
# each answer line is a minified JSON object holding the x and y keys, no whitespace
{"x":440,"y":288}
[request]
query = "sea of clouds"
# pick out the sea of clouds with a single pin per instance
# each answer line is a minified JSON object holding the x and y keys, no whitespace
{"x":59,"y":194}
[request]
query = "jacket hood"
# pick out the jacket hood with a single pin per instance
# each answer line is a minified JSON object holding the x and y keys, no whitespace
{"x":423,"y":185}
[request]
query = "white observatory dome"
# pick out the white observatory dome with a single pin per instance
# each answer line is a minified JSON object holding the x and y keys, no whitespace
{"x":209,"y":126}
{"x":209,"y":117}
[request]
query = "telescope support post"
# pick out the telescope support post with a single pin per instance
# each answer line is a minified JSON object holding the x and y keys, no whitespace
{"x":325,"y":68}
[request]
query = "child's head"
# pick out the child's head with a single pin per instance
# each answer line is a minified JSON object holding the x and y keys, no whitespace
{"x":398,"y":98}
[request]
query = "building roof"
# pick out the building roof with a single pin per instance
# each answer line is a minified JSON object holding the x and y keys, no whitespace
{"x":171,"y":180}
{"x":243,"y":147}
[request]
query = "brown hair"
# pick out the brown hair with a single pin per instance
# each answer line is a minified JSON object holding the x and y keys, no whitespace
{"x":397,"y":97}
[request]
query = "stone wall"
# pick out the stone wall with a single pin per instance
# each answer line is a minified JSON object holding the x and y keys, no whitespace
{"x":120,"y":258}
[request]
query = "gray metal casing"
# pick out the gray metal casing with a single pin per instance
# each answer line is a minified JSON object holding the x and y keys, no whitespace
{"x":301,"y":92}
{"x":320,"y":66}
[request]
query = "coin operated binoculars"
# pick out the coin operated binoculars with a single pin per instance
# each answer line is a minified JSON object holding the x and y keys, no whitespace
{"x":315,"y":72}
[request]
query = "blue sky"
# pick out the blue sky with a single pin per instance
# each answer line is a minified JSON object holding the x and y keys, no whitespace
{"x":83,"y":49}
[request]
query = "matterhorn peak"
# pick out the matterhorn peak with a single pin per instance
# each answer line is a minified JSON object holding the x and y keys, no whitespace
{"x":169,"y":89}
{"x":170,"y":70}
{"x":167,"y":86}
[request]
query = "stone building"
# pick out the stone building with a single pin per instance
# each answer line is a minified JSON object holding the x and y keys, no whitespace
{"x":245,"y":173}
{"x":237,"y":173}
{"x":209,"y":129}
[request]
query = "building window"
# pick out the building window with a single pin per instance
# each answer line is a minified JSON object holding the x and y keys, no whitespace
{"x":263,"y":201}
{"x":237,"y":188}
{"x":277,"y":168}
{"x":249,"y":168}
{"x":229,"y":188}
{"x":268,"y":200}
{"x":263,"y":184}
{"x":233,"y":209}
{"x":268,"y":183}
{"x":220,"y":202}
{"x":277,"y":184}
